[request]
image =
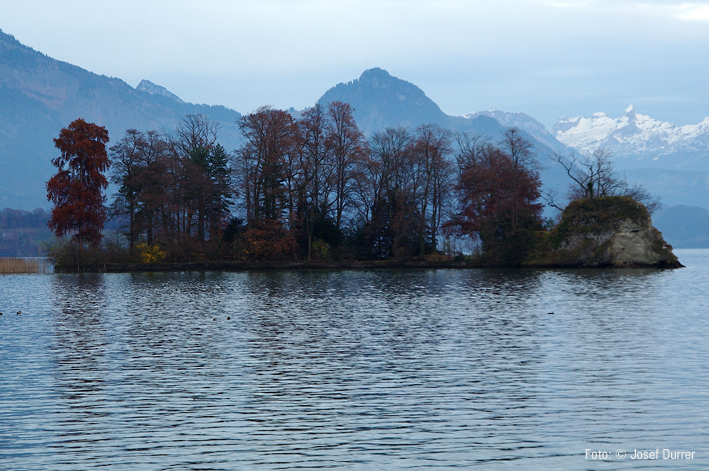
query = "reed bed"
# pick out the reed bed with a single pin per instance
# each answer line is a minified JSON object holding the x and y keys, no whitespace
{"x":10,"y":266}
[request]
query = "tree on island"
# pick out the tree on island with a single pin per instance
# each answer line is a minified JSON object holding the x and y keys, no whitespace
{"x":498,"y":192}
{"x":77,"y":188}
{"x":593,"y":176}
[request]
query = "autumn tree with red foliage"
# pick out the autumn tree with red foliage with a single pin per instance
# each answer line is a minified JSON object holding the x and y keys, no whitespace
{"x":77,"y":188}
{"x":268,"y":172}
{"x":498,"y":192}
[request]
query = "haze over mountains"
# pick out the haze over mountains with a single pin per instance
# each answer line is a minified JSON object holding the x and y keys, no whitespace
{"x":381,"y":100}
{"x":40,"y":95}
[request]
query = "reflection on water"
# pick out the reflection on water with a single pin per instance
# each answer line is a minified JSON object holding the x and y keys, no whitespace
{"x":391,"y":369}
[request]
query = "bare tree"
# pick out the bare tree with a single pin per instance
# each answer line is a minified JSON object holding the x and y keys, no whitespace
{"x":313,"y":170}
{"x":470,"y":149}
{"x":349,"y":148}
{"x":521,"y":153}
{"x":430,"y":150}
{"x":193,"y":132}
{"x":269,"y":138}
{"x":594,"y":177}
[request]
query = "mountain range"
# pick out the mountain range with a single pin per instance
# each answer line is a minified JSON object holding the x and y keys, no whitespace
{"x":40,"y":95}
{"x":668,"y":160}
{"x":381,"y":100}
{"x":637,"y":140}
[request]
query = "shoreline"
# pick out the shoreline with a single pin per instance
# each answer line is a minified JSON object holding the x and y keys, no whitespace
{"x":304,"y":266}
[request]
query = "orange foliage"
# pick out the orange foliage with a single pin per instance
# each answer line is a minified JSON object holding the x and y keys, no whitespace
{"x":267,"y":241}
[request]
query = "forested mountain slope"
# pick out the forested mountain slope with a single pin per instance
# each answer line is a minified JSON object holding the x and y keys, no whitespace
{"x":40,"y":95}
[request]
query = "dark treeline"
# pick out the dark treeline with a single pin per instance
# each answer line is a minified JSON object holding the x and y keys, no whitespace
{"x":17,"y":218}
{"x":23,"y":233}
{"x":314,"y":188}
{"x":311,"y":188}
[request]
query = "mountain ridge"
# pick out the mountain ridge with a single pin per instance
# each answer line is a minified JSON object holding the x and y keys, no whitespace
{"x":40,"y":95}
{"x":637,"y":140}
{"x":149,"y":87}
{"x":522,"y":121}
{"x":380,"y":100}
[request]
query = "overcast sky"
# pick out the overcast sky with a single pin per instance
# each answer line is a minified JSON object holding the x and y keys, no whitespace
{"x":545,"y":58}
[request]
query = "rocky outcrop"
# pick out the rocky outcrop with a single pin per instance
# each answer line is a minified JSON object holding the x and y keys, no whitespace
{"x":606,"y":232}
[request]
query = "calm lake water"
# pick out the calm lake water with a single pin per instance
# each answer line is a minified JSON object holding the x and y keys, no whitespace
{"x":395,"y":369}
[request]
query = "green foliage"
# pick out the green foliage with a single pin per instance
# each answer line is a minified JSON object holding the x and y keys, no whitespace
{"x":325,"y":229}
{"x":586,"y":229}
{"x":506,"y":245}
{"x":598,"y":214}
{"x":321,"y":249}
{"x":602,"y":211}
{"x":64,"y":253}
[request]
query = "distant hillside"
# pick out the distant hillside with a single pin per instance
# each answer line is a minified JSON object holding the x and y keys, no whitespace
{"x":684,"y":226}
{"x":676,"y":187}
{"x":40,"y":95}
{"x":523,"y":121}
{"x":23,"y":233}
{"x":381,"y":100}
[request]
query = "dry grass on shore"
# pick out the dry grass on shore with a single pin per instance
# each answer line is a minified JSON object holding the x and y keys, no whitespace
{"x":9,"y":266}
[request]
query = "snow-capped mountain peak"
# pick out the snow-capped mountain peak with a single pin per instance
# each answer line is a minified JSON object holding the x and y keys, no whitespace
{"x":634,"y":137}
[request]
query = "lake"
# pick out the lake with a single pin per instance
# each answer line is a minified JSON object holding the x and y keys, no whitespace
{"x":487,"y":369}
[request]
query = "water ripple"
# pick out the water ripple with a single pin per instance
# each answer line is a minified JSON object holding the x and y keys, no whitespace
{"x":390,"y":369}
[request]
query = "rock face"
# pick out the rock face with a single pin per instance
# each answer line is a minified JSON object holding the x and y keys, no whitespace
{"x":149,"y":87}
{"x":608,"y":232}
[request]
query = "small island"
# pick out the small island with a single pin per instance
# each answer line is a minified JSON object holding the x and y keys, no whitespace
{"x":614,"y":231}
{"x":313,"y":193}
{"x":608,"y":232}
